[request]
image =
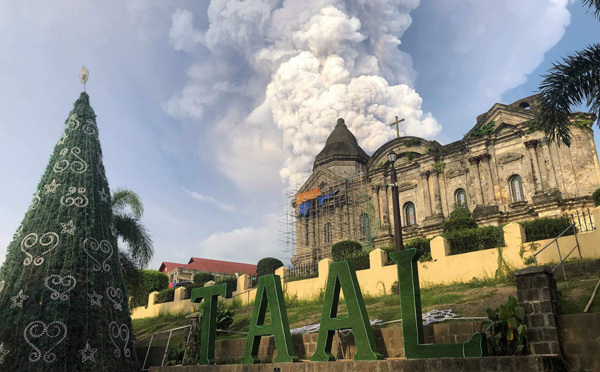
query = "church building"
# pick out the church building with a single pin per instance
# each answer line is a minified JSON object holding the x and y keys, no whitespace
{"x":504,"y":170}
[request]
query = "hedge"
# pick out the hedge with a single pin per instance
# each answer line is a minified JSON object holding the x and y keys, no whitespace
{"x":596,"y":197}
{"x":546,"y":228}
{"x":166,"y":295}
{"x":459,"y":223}
{"x":423,"y":245}
{"x":345,"y":248}
{"x":202,"y":278}
{"x":471,"y":240}
{"x":267,"y":266}
{"x":360,"y":260}
{"x":151,"y":281}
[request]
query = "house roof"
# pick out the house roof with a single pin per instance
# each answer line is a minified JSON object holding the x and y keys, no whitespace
{"x":168,"y":266}
{"x":216,"y":266}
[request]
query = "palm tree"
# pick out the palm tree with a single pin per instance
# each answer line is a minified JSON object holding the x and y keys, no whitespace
{"x":572,"y":82}
{"x":127,"y":208}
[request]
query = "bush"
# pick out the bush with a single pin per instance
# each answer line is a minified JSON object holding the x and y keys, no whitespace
{"x":459,"y":223}
{"x":460,"y":211}
{"x":470,"y":240}
{"x":345,"y":248}
{"x":359,"y":259}
{"x":267,"y":266}
{"x":231,"y":281}
{"x":166,"y":295}
{"x":545,"y":228}
{"x":596,"y":197}
{"x":202,"y":278}
{"x":150,"y":281}
{"x":508,"y":331}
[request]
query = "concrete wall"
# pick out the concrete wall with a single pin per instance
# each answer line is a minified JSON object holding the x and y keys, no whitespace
{"x":580,"y":335}
{"x":445,"y":268}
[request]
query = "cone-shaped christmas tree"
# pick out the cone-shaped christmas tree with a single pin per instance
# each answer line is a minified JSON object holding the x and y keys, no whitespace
{"x":63,"y":305}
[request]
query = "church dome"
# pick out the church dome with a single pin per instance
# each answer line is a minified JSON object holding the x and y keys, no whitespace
{"x":341,"y":145}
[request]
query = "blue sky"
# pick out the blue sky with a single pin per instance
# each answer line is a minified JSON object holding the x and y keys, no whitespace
{"x":209,"y":109}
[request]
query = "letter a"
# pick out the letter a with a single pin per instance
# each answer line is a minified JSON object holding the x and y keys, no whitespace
{"x":206,"y":349}
{"x":412,"y":319}
{"x":343,"y":276}
{"x":269,"y":292}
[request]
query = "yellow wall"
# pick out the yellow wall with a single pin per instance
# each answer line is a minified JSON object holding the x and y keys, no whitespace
{"x":445,"y":268}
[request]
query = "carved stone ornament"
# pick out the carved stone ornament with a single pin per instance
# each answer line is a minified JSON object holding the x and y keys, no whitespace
{"x":455,"y":172}
{"x":510,"y":157}
{"x":407,"y":186}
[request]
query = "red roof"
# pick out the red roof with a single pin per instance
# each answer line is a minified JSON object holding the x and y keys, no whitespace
{"x":168,"y":266}
{"x":223,"y":267}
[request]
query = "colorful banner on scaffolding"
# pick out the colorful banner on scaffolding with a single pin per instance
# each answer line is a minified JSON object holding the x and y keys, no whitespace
{"x":308,"y":195}
{"x":322,"y":198}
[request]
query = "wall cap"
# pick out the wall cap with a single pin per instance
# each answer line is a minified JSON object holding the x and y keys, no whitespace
{"x":534,"y":270}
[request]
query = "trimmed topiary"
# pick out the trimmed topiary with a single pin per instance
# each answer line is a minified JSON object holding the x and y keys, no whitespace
{"x":546,"y":228}
{"x":345,"y":248}
{"x":267,"y":266}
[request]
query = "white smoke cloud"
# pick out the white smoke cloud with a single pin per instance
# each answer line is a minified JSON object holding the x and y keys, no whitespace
{"x":282,"y":72}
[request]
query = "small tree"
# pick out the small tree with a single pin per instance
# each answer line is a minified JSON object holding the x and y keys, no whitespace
{"x":267,"y":266}
{"x":460,"y":219}
{"x":345,"y":248}
{"x":203,"y":278}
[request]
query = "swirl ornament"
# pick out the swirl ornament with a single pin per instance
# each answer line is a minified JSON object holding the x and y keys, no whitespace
{"x":60,"y":286}
{"x":72,"y":122}
{"x":2,"y":283}
{"x":70,"y":199}
{"x":116,"y":296}
{"x":37,"y":329}
{"x":63,"y":139}
{"x":89,"y":127}
{"x":91,"y":245}
{"x":77,"y":166}
{"x":117,"y":333}
{"x":49,"y":241}
{"x":36,"y":200}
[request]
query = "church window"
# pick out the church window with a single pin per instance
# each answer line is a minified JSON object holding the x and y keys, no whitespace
{"x":525,"y":105}
{"x":410,"y":216}
{"x":328,"y":233}
{"x":365,"y":227}
{"x":460,"y":197}
{"x":306,"y":242}
{"x":516,"y":189}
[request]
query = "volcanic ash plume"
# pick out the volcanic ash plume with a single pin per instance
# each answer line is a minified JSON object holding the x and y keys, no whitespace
{"x":306,"y":63}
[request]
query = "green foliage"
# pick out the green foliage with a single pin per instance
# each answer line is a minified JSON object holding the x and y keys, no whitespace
{"x":267,"y":266}
{"x":596,"y":197}
{"x":410,"y":156}
{"x":341,"y":250}
{"x":422,"y":244}
{"x":545,"y":228}
{"x":166,"y":295}
{"x":230,"y":280}
{"x":533,"y":125}
{"x":411,"y":142}
{"x":360,"y":259}
{"x":395,"y":289}
{"x":507,"y":328}
{"x":483,"y":130}
{"x":439,"y":166}
{"x":224,"y":317}
{"x":529,"y":260}
{"x":150,"y":281}
{"x":460,"y":211}
{"x":202,"y":278}
{"x":470,"y":240}
{"x":459,"y":223}
{"x":175,"y":355}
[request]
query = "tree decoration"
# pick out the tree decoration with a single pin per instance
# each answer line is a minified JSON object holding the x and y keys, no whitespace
{"x":62,"y":264}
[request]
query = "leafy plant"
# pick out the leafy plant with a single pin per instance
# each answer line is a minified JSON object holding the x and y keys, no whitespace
{"x":267,"y":266}
{"x":345,"y":248}
{"x":175,"y":355}
{"x":149,"y":281}
{"x":460,"y":210}
{"x":483,"y":130}
{"x":410,"y":156}
{"x":202,"y":278}
{"x":360,"y":259}
{"x":545,"y":228}
{"x":166,"y":295}
{"x":596,"y":197}
{"x":410,"y":142}
{"x":508,"y":331}
{"x":469,"y":240}
{"x":439,"y":166}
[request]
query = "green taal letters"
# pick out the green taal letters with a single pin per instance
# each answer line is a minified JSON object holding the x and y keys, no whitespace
{"x":412,"y":322}
{"x":206,"y":349}
{"x":343,"y":276}
{"x":269,"y":293}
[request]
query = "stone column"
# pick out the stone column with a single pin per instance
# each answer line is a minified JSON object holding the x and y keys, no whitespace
{"x":474,"y":161}
{"x":375,"y":198}
{"x":537,"y":293}
{"x":437,"y":197}
{"x":426,"y":196}
{"x":552,"y":181}
{"x":386,"y":207}
{"x":485,"y":158}
{"x":537,"y":180}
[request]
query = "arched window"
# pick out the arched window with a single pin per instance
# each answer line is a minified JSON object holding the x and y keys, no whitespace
{"x":410,"y":216}
{"x":328,"y":233}
{"x":460,"y":197}
{"x":365,"y":227}
{"x":516,"y":189}
{"x":306,"y":233}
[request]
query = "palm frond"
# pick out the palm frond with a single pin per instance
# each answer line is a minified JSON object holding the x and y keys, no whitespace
{"x":135,"y":236}
{"x":574,"y":81}
{"x":122,"y":199}
{"x":594,"y":6}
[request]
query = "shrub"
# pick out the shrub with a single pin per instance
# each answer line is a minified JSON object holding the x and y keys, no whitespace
{"x":267,"y":266}
{"x":359,"y":259}
{"x":596,"y":197}
{"x":545,"y":228}
{"x":150,"y":281}
{"x":341,"y":250}
{"x":459,"y":223}
{"x":470,"y":240}
{"x":231,"y":281}
{"x":166,"y":295}
{"x":202,"y":278}
{"x":508,"y":331}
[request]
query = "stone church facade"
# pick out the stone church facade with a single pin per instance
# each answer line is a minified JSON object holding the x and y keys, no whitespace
{"x":504,"y":170}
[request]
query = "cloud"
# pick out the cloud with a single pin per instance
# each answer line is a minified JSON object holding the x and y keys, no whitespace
{"x":280,"y":73}
{"x":247,"y":244}
{"x":182,"y":34}
{"x":209,"y":199}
